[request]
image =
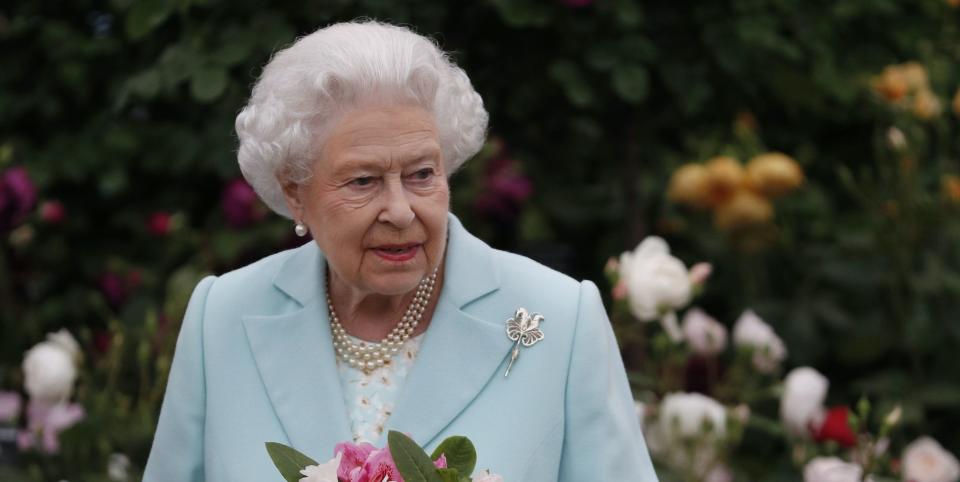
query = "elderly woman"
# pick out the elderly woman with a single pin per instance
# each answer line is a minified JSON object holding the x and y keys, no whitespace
{"x":395,"y":318}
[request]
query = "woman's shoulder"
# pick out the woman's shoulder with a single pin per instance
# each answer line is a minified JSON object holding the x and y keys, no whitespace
{"x":253,"y":285}
{"x":519,"y":271}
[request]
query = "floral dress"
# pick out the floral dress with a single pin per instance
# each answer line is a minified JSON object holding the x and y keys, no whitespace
{"x":370,"y":398}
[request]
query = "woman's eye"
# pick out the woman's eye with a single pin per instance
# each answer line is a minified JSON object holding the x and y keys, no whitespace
{"x":423,"y":174}
{"x":362,"y":181}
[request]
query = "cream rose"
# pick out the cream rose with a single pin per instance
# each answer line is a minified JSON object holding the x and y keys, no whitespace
{"x":704,"y":334}
{"x":752,"y":332}
{"x":656,"y":282}
{"x":832,"y":469}
{"x":801,"y":406}
{"x":49,"y":373}
{"x":685,"y":415}
{"x":925,"y":460}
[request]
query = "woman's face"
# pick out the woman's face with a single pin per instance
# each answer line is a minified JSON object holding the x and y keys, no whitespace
{"x":378,"y":199}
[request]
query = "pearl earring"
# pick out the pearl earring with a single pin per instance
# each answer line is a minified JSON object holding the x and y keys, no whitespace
{"x":300,"y":229}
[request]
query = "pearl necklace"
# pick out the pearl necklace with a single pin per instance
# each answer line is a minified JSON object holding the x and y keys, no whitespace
{"x":368,"y":356}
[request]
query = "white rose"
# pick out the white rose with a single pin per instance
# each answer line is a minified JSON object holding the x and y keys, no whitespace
{"x":704,"y":334}
{"x":118,"y":467}
{"x":925,"y":460}
{"x":719,"y":473}
{"x":752,"y":332}
{"x":656,"y":282}
{"x":832,"y":469}
{"x":49,"y":372}
{"x":685,"y":415}
{"x":801,"y":406}
{"x":486,"y":476}
{"x":325,"y":472}
{"x":641,"y":409}
{"x":65,"y":340}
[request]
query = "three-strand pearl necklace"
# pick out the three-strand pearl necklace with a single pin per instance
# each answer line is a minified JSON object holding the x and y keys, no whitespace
{"x":368,"y":356}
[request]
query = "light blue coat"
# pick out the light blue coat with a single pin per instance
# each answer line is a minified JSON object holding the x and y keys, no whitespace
{"x":254,"y":363}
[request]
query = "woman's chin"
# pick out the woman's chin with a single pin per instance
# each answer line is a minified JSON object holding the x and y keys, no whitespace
{"x":397,"y":282}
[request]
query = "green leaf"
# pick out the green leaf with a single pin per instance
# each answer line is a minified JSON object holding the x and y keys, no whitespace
{"x":631,"y":82}
{"x":288,"y":461}
{"x":523,"y":13}
{"x":568,"y":75}
{"x":208,"y":83}
{"x":146,"y":15}
{"x":412,"y":462}
{"x":449,"y":475}
{"x":460,"y":453}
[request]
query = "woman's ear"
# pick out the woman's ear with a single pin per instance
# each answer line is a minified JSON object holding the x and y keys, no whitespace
{"x":292,"y":194}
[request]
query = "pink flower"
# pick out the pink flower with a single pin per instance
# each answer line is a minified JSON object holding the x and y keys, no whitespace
{"x":700,"y":272}
{"x":505,"y":190}
{"x":620,"y":291}
{"x":47,"y":421}
{"x":354,"y":456}
{"x":240,"y":205}
{"x":17,"y":196}
{"x":113,"y":289}
{"x":52,"y":212}
{"x":379,"y":465}
{"x":10,"y":403}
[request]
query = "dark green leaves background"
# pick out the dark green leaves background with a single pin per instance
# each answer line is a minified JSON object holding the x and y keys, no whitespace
{"x":123,"y":108}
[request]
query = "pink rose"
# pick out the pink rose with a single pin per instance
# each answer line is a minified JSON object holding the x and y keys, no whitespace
{"x":354,"y":456}
{"x":379,"y":466}
{"x":48,"y":421}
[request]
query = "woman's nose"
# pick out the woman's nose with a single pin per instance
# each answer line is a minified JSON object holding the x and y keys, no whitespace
{"x":396,"y":209}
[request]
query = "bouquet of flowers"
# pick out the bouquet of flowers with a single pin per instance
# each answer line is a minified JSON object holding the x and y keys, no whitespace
{"x":401,"y":461}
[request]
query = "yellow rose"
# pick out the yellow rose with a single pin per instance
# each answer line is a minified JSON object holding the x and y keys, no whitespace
{"x":926,"y":105}
{"x":690,"y":185}
{"x":951,"y":187}
{"x":915,"y":74}
{"x":774,"y":174}
{"x":726,"y":177}
{"x":745,"y":208}
{"x":892,"y":84}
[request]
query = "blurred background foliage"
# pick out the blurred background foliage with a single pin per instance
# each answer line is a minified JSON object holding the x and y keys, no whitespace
{"x":120,"y":114}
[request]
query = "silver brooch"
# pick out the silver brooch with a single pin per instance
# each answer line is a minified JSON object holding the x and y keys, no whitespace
{"x":524,"y":329}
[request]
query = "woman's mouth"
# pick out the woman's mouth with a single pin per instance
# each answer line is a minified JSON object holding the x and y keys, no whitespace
{"x":397,"y":252}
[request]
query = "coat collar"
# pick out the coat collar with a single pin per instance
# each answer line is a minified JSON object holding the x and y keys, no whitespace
{"x":458,"y":355}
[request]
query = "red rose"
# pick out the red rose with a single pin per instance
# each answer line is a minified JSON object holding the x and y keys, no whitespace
{"x":836,"y":427}
{"x":52,"y":212}
{"x":159,"y":223}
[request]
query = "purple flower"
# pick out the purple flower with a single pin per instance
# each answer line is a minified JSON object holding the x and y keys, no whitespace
{"x":505,"y":190}
{"x":113,"y":289}
{"x":9,"y":406}
{"x":240,"y":204}
{"x":17,"y":197}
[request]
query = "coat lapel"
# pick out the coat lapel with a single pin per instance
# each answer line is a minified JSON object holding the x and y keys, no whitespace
{"x":460,"y":352}
{"x":295,"y":358}
{"x":458,"y":356}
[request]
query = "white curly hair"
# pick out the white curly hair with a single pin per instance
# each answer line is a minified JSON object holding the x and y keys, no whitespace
{"x":305,"y":88}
